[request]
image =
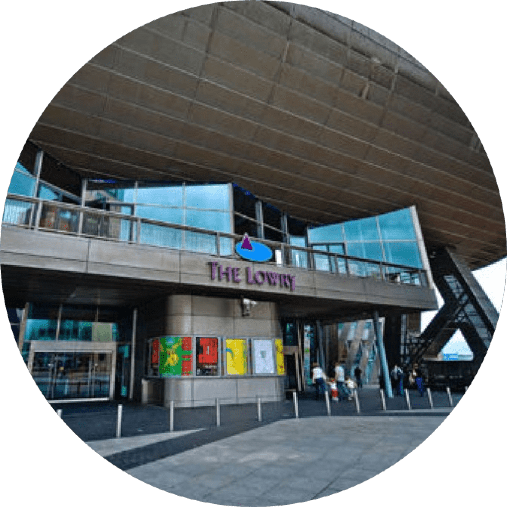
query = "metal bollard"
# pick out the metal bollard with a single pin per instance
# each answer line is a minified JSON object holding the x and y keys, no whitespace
{"x":356,"y":397}
{"x":296,"y":408}
{"x":171,"y":415}
{"x":383,"y":399}
{"x":217,"y":402}
{"x":430,"y":398}
{"x":407,"y":397}
{"x":448,"y":389}
{"x":59,"y":413}
{"x":259,"y":409}
{"x":328,"y":406}
{"x":118,"y":421}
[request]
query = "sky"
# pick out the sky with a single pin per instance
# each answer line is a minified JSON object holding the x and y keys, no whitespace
{"x":492,"y":280}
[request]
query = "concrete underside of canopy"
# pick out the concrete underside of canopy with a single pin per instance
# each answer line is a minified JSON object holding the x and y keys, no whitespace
{"x":315,"y":114}
{"x":41,"y":266}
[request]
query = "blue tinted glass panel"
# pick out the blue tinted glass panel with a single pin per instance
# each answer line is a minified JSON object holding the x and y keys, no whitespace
{"x":160,"y":236}
{"x":119,"y":194}
{"x":40,"y":329}
{"x":371,"y":250}
{"x":298,"y":241}
{"x":361,"y":230}
{"x":46,"y":193}
{"x":207,"y":196}
{"x":211,"y":220}
{"x":22,"y":168}
{"x":397,"y":225}
{"x":75,"y":330}
{"x":405,"y":253}
{"x":22,"y":184}
{"x":326,"y":234}
{"x":164,"y":196}
{"x":170,"y":215}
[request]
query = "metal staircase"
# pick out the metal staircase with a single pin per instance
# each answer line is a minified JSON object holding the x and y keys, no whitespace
{"x":466,"y":307}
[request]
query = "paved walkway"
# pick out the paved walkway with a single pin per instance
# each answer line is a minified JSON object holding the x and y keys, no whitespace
{"x":276,"y":464}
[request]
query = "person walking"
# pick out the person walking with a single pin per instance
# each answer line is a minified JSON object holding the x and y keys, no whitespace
{"x":319,"y":379}
{"x":419,"y":381}
{"x":397,"y":379}
{"x":357,"y":374}
{"x":339,"y":375}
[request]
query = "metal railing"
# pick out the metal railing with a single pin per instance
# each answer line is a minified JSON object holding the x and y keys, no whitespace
{"x":37,"y":214}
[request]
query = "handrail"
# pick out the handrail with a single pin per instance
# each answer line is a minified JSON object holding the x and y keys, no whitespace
{"x":387,"y":271}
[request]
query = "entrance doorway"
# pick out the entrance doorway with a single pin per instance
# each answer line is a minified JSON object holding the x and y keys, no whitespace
{"x":68,"y":371}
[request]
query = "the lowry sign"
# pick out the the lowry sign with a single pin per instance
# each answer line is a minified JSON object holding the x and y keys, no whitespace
{"x":252,"y":277}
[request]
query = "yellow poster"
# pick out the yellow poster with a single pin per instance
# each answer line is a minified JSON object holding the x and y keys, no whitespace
{"x":236,"y":357}
{"x":280,"y":366}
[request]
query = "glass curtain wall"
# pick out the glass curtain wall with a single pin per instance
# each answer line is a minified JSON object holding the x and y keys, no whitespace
{"x":389,"y":238}
{"x":206,"y":206}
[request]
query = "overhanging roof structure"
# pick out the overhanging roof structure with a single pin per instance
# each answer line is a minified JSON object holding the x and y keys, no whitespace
{"x":315,"y":114}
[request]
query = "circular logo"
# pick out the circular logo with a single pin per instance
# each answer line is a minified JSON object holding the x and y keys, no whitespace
{"x":253,"y":251}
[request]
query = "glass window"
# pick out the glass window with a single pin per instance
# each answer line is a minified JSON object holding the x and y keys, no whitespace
{"x":207,"y":357}
{"x":74,"y":330}
{"x":175,"y":356}
{"x":164,"y":196}
{"x":211,"y":220}
{"x":326,"y":234}
{"x":263,"y":359}
{"x":397,"y":225}
{"x":22,"y":184}
{"x":405,"y":253}
{"x":46,"y":193}
{"x":170,"y":215}
{"x":207,"y":197}
{"x":370,"y":250}
{"x":361,"y":230}
{"x":160,"y":235}
{"x":40,"y":329}
{"x":122,"y":194}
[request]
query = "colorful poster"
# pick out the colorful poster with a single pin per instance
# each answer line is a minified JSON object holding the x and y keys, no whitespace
{"x":236,"y":357}
{"x":263,"y":356}
{"x":175,"y":356}
{"x":207,"y":357}
{"x":280,"y":363}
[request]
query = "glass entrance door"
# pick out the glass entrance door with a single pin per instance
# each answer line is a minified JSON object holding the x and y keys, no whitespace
{"x":73,"y":375}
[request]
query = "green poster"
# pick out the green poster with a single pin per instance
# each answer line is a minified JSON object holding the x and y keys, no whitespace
{"x":175,"y":356}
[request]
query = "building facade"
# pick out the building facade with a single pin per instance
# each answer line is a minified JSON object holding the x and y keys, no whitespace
{"x":186,"y":146}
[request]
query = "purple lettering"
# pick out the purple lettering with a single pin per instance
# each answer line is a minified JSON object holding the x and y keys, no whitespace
{"x":213,"y":269}
{"x":282,"y":280}
{"x":235,"y":275}
{"x":287,"y":281}
{"x":224,"y":273}
{"x":272,"y":277}
{"x":292,"y":282}
{"x":249,"y":278}
{"x":261,"y":281}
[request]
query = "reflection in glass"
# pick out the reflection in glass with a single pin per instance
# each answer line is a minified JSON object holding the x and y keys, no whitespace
{"x":403,"y":252}
{"x":22,"y":183}
{"x":207,"y":197}
{"x":160,"y":235}
{"x":361,"y":230}
{"x":163,"y":196}
{"x":170,"y":215}
{"x":73,"y":374}
{"x":397,"y":225}
{"x":211,"y":220}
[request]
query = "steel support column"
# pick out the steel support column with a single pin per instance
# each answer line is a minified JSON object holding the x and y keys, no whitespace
{"x":382,"y":354}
